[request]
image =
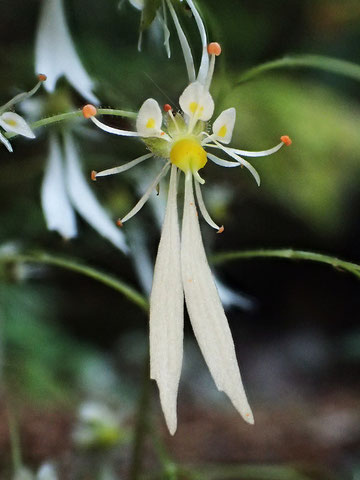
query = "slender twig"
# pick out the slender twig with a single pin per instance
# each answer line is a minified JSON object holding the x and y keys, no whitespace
{"x":141,"y":426}
{"x":76,"y":266}
{"x":291,"y":255}
{"x":65,"y":117}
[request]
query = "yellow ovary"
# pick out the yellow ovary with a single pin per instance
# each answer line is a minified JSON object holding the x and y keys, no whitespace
{"x":188,"y":155}
{"x":222,"y":131}
{"x":150,"y":123}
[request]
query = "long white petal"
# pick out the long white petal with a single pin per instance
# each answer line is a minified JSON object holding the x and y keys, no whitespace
{"x":167,"y":311}
{"x":206,"y":312}
{"x":123,"y":168}
{"x":58,"y":212}
{"x":189,"y":61}
{"x":85,"y":201}
{"x":6,"y":142}
{"x":55,"y":53}
{"x":204,"y":65}
{"x":147,"y":194}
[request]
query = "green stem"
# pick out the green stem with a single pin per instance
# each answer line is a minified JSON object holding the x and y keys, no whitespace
{"x":329,"y":64}
{"x":291,"y":255}
{"x":14,"y":440}
{"x":75,"y":266}
{"x":141,"y":426}
{"x":65,"y":117}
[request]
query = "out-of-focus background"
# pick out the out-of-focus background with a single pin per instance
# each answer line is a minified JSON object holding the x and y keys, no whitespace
{"x":72,"y":349}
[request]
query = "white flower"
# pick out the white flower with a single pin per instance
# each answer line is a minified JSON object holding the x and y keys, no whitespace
{"x":181,"y":269}
{"x":11,"y":122}
{"x":64,"y":189}
{"x":55,"y":53}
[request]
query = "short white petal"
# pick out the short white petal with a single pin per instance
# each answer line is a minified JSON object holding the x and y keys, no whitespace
{"x":6,"y":142}
{"x":85,"y":201}
{"x":167,"y":311}
{"x":206,"y":312}
{"x":224,"y":125}
{"x":55,"y":53}
{"x":12,"y":122}
{"x":149,"y":119}
{"x":59,"y":214}
{"x":196,"y":101}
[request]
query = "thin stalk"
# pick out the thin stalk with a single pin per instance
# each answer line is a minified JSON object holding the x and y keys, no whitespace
{"x":141,"y":426}
{"x":44,"y":258}
{"x":14,"y":440}
{"x":65,"y":117}
{"x":291,"y":255}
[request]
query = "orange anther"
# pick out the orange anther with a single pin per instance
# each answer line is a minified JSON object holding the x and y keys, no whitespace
{"x":89,"y":111}
{"x":221,"y":229}
{"x":214,"y":48}
{"x":286,"y":140}
{"x":167,"y":107}
{"x":119,"y":222}
{"x":162,"y":133}
{"x":93,"y":175}
{"x":42,"y":77}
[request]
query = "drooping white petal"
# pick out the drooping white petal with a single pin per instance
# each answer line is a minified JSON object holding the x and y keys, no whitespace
{"x":147,"y":194}
{"x":6,"y":142}
{"x":55,"y":53}
{"x":149,"y":119}
{"x":115,"y":131}
{"x":167,"y":311}
{"x":203,"y":208}
{"x":189,"y":61}
{"x":196,"y":102}
{"x":222,"y":162}
{"x":12,"y":122}
{"x":206,"y":312}
{"x":58,"y":212}
{"x":224,"y":125}
{"x":84,"y":200}
{"x":126,"y":166}
{"x":204,"y":65}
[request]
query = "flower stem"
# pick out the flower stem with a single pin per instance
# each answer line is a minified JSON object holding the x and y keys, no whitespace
{"x":141,"y":426}
{"x":65,"y":117}
{"x":290,"y":254}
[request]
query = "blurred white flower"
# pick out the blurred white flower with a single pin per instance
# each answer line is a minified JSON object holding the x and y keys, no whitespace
{"x":11,"y":122}
{"x":65,"y":189}
{"x":55,"y":53}
{"x":46,"y":472}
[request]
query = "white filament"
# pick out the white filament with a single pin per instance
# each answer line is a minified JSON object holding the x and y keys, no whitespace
{"x":123,"y":168}
{"x":115,"y":131}
{"x":202,"y":207}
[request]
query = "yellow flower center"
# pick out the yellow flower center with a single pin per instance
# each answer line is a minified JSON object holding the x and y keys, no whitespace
{"x":11,"y":122}
{"x":188,"y":155}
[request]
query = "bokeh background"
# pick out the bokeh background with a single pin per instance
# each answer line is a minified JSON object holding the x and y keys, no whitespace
{"x":67,"y":340}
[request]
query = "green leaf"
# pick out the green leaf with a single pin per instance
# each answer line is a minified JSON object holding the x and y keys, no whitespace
{"x":289,"y":254}
{"x":329,"y":64}
{"x":148,"y":13}
{"x":76,"y":266}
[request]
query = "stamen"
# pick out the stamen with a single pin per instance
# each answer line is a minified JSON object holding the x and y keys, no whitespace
{"x":22,"y":96}
{"x":119,"y":223}
{"x":221,"y":229}
{"x":167,"y":107}
{"x":147,"y":194}
{"x":222,"y":162}
{"x":214,"y":48}
{"x":89,"y":110}
{"x":203,"y":209}
{"x":247,"y":153}
{"x":286,"y":140}
{"x":123,"y":168}
{"x":93,"y":175}
{"x":115,"y":131}
{"x":204,"y":64}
